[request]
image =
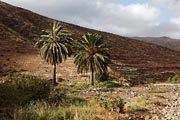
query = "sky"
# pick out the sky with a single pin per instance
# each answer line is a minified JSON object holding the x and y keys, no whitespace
{"x":132,"y":18}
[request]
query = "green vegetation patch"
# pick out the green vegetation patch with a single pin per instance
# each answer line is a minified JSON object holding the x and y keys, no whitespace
{"x":26,"y":97}
{"x":22,"y":88}
{"x":80,"y":85}
{"x":41,"y":110}
{"x":174,"y":79}
{"x":112,"y":84}
{"x":111,"y":103}
{"x":157,"y":91}
{"x":136,"y":107}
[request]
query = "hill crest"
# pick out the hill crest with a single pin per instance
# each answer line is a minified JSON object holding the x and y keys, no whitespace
{"x":164,"y":41}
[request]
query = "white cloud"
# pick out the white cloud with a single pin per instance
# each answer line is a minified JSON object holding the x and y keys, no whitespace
{"x":175,"y":21}
{"x":109,"y":15}
{"x":171,"y":5}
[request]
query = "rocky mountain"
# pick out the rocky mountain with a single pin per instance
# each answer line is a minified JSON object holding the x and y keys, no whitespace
{"x":131,"y":59}
{"x":170,"y":43}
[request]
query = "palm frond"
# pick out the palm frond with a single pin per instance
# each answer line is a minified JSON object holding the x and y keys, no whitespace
{"x":54,"y":44}
{"x":91,"y":53}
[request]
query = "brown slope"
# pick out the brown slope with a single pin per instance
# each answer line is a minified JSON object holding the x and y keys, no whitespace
{"x":170,"y":43}
{"x":130,"y":57}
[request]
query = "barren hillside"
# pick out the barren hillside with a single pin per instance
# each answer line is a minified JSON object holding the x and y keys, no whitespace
{"x":132,"y":59}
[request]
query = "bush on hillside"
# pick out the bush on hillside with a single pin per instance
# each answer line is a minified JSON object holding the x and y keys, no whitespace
{"x":174,"y":79}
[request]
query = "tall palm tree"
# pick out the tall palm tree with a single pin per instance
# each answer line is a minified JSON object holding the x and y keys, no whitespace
{"x":92,"y":54}
{"x":54,"y":46}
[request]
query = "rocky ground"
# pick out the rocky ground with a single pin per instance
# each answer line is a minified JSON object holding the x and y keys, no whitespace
{"x":156,"y":101}
{"x":164,"y":99}
{"x":171,"y":109}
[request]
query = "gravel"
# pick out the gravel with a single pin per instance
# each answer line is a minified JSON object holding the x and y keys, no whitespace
{"x":171,"y":110}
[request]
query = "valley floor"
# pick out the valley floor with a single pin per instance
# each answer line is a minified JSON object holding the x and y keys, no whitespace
{"x":144,"y":102}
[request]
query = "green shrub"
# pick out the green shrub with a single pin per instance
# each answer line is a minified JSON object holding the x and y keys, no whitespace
{"x":105,"y":89}
{"x":36,"y":88}
{"x":58,"y":97}
{"x":80,"y":85}
{"x":23,"y":89}
{"x":112,"y":84}
{"x":34,"y":99}
{"x":111,"y":103}
{"x":41,"y":110}
{"x":26,"y":82}
{"x":101,"y":77}
{"x":174,"y":79}
{"x":72,"y":100}
{"x":135,"y":107}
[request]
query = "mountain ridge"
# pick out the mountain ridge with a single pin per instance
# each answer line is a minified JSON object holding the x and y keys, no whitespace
{"x":164,"y":41}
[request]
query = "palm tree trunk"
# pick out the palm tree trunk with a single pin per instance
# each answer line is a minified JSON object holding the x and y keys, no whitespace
{"x":54,"y":74}
{"x":92,"y":76}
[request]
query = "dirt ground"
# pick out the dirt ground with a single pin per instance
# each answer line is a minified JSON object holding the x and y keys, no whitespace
{"x":151,"y":100}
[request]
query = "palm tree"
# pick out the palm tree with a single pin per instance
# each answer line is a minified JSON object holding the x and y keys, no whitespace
{"x":54,"y":45}
{"x":91,"y":55}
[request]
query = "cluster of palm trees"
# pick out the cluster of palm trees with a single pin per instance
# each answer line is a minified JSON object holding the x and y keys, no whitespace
{"x":91,"y":53}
